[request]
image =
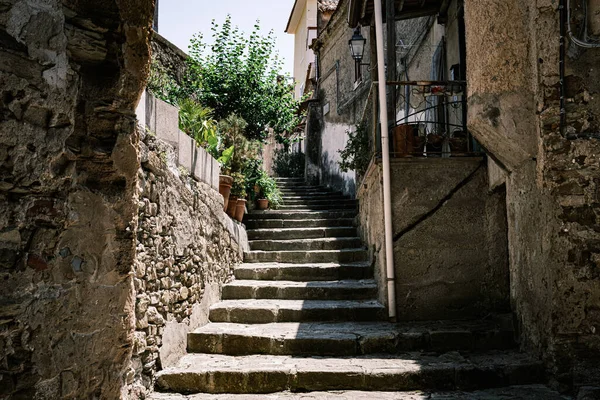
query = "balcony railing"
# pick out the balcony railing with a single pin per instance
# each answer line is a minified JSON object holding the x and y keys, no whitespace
{"x":429,"y":120}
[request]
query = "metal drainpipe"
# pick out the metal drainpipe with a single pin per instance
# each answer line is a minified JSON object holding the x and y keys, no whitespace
{"x":385,"y":157}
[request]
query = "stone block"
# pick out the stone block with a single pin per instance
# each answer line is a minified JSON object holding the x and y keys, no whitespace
{"x":186,"y":151}
{"x":216,"y":171}
{"x":167,"y":122}
{"x":150,"y":112}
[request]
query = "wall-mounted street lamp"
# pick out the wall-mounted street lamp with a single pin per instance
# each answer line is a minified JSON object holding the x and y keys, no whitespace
{"x":357,"y":49}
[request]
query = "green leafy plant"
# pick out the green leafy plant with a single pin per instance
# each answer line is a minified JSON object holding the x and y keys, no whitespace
{"x":197,"y":121}
{"x":269,"y":190}
{"x":356,"y":155}
{"x":241,"y":75}
{"x":238,"y":188}
{"x":287,"y":164}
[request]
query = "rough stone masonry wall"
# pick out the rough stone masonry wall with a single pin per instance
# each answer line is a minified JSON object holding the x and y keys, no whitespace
{"x":71,"y":73}
{"x":185,"y":252}
{"x":553,"y":181}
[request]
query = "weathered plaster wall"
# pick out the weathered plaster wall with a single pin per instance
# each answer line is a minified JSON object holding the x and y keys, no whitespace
{"x":552,"y":182}
{"x":341,"y":102}
{"x":71,"y":74}
{"x":186,"y":249}
{"x":450,"y":249}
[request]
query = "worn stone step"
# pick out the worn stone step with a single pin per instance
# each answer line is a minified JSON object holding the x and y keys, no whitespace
{"x":315,"y":256}
{"x":334,"y":243}
{"x":294,"y":290}
{"x":294,"y":187}
{"x":304,"y":272}
{"x":523,"y":392}
{"x":298,"y":223}
{"x":348,"y":338}
{"x":320,"y":201}
{"x":215,"y":373}
{"x":287,"y":214}
{"x":302,"y":233}
{"x":288,"y":179}
{"x":267,"y":311}
{"x":323,"y":206}
{"x":323,"y":196}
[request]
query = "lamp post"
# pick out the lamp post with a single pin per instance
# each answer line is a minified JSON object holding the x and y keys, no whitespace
{"x":357,"y":49}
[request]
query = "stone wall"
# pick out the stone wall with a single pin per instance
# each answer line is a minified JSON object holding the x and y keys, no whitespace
{"x":71,"y":74}
{"x":186,"y":249}
{"x":170,"y":57}
{"x":552,"y":179}
{"x":450,"y":249}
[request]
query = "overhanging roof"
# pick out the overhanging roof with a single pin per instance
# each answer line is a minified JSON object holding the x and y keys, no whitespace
{"x":361,"y":11}
{"x":296,"y":14}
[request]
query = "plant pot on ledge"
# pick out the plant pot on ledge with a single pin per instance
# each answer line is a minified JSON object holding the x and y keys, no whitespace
{"x":262,"y":204}
{"x":232,"y":206}
{"x":240,"y":209}
{"x":225,"y":182}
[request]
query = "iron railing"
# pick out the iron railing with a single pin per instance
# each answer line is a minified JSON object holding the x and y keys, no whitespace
{"x":427,"y":119}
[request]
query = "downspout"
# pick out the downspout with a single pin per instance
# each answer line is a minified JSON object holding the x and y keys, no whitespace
{"x":385,"y":157}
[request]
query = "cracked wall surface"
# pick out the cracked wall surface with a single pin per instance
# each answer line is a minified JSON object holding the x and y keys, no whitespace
{"x":552,"y":180}
{"x":71,"y":74}
{"x":450,"y":250}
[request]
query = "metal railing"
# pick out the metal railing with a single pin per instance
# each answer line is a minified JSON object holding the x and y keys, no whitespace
{"x":427,"y":119}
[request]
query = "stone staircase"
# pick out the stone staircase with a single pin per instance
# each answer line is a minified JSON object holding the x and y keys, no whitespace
{"x":302,"y":320}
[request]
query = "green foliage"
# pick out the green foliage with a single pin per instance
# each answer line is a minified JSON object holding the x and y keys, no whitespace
{"x":232,"y":130}
{"x":241,"y":75}
{"x":356,"y":156}
{"x":196,"y":120}
{"x":269,"y":190}
{"x":286,"y":164}
{"x":253,"y":172}
{"x":162,"y":85}
{"x":238,"y":188}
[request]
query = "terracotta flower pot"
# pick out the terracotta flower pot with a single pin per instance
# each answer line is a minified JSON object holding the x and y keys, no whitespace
{"x":225,"y":182}
{"x":262,"y":204}
{"x":231,"y":206}
{"x":240,"y":209}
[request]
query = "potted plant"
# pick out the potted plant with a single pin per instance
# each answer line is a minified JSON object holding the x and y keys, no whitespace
{"x":238,"y":192}
{"x":269,"y":194}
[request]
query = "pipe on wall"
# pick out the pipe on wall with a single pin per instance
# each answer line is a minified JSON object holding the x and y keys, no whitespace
{"x":385,"y":158}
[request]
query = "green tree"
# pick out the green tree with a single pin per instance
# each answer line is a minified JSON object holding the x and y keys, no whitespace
{"x":241,"y":75}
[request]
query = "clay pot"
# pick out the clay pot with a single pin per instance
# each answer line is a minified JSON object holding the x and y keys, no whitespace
{"x":225,"y":182}
{"x":240,"y":209}
{"x":262,"y":204}
{"x":231,"y":206}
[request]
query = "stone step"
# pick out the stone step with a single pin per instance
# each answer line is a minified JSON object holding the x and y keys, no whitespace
{"x":288,"y":179}
{"x":335,"y":243}
{"x":294,"y":290}
{"x":323,"y":196}
{"x":523,"y":392}
{"x":348,"y":338}
{"x":286,"y":193}
{"x":323,"y":206}
{"x":320,"y":201}
{"x":315,"y":256}
{"x":304,"y":272}
{"x":212,"y":373}
{"x":309,"y":214}
{"x":267,"y":311}
{"x":302,"y":233}
{"x":298,"y":223}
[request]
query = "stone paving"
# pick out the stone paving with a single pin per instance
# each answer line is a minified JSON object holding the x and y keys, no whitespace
{"x":303,"y":316}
